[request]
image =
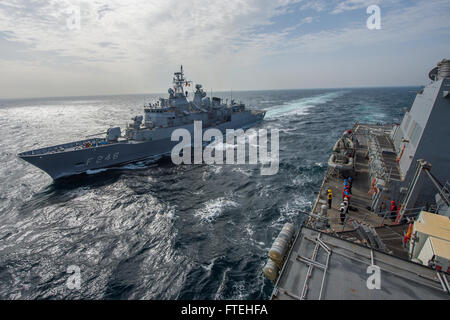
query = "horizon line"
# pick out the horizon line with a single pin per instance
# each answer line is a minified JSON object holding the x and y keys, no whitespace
{"x":219,"y":91}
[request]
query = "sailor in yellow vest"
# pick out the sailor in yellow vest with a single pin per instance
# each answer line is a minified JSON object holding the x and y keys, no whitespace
{"x":330,"y":198}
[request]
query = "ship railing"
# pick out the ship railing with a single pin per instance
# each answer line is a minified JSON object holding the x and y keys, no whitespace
{"x":407,"y":213}
{"x":446,"y":187}
{"x":61,"y":147}
{"x":328,"y":174}
{"x":412,"y":213}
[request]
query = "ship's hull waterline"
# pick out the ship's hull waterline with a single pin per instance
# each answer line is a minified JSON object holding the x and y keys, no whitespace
{"x":67,"y":163}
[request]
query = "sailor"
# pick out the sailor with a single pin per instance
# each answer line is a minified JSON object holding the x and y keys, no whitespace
{"x":408,"y":234}
{"x":393,"y":210}
{"x":346,"y":204}
{"x":350,"y":133}
{"x":346,"y":194}
{"x":342,"y":212}
{"x":346,"y":184}
{"x":330,"y":198}
{"x":383,"y":207}
{"x":350,"y":183}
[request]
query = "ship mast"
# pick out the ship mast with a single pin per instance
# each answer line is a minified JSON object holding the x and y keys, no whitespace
{"x":178,"y":82}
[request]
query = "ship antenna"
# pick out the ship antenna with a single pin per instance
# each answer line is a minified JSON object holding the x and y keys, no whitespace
{"x":178,"y":81}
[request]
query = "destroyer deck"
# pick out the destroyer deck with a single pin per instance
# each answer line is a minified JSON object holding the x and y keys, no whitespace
{"x":330,"y":260}
{"x":322,"y":266}
{"x":332,"y":263}
{"x":360,"y":200}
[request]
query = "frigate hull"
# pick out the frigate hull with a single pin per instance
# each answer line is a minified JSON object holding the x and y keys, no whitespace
{"x":63,"y":164}
{"x":72,"y":161}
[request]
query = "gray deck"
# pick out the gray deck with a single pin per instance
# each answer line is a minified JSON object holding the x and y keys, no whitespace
{"x":360,"y":199}
{"x":391,"y":236}
{"x":345,"y":274}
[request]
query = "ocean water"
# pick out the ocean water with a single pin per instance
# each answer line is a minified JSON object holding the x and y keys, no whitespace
{"x":162,"y":231}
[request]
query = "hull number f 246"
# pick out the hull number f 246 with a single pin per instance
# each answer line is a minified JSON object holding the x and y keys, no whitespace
{"x":100,"y":159}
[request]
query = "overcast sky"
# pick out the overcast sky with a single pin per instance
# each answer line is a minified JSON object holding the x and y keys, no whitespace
{"x":134,"y":46}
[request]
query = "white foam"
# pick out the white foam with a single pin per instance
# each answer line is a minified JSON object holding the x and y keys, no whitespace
{"x":95,"y":171}
{"x":222,"y":285}
{"x":214,"y":208}
{"x":209,"y":267}
{"x":247,"y":173}
{"x":249,"y":230}
{"x":291,"y":209}
{"x":240,"y":290}
{"x":300,"y":106}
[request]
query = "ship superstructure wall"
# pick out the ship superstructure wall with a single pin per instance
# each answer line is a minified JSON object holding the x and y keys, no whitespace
{"x":425,"y":134}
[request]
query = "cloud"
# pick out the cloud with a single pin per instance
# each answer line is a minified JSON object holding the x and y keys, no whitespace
{"x":127,"y":46}
{"x":354,"y":4}
{"x":316,"y":5}
{"x":401,"y":24}
{"x":140,"y":29}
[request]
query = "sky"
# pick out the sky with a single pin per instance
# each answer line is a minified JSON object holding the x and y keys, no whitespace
{"x":97,"y":47}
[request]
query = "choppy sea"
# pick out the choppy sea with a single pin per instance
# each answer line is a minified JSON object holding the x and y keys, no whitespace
{"x":160,"y":231}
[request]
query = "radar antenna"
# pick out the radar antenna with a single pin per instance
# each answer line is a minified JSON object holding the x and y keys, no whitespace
{"x":179,"y":81}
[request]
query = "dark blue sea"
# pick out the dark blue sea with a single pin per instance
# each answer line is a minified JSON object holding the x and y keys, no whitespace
{"x":160,"y":231}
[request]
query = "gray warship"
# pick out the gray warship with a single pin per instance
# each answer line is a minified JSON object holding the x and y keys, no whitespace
{"x":394,"y":218}
{"x":148,"y":137}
